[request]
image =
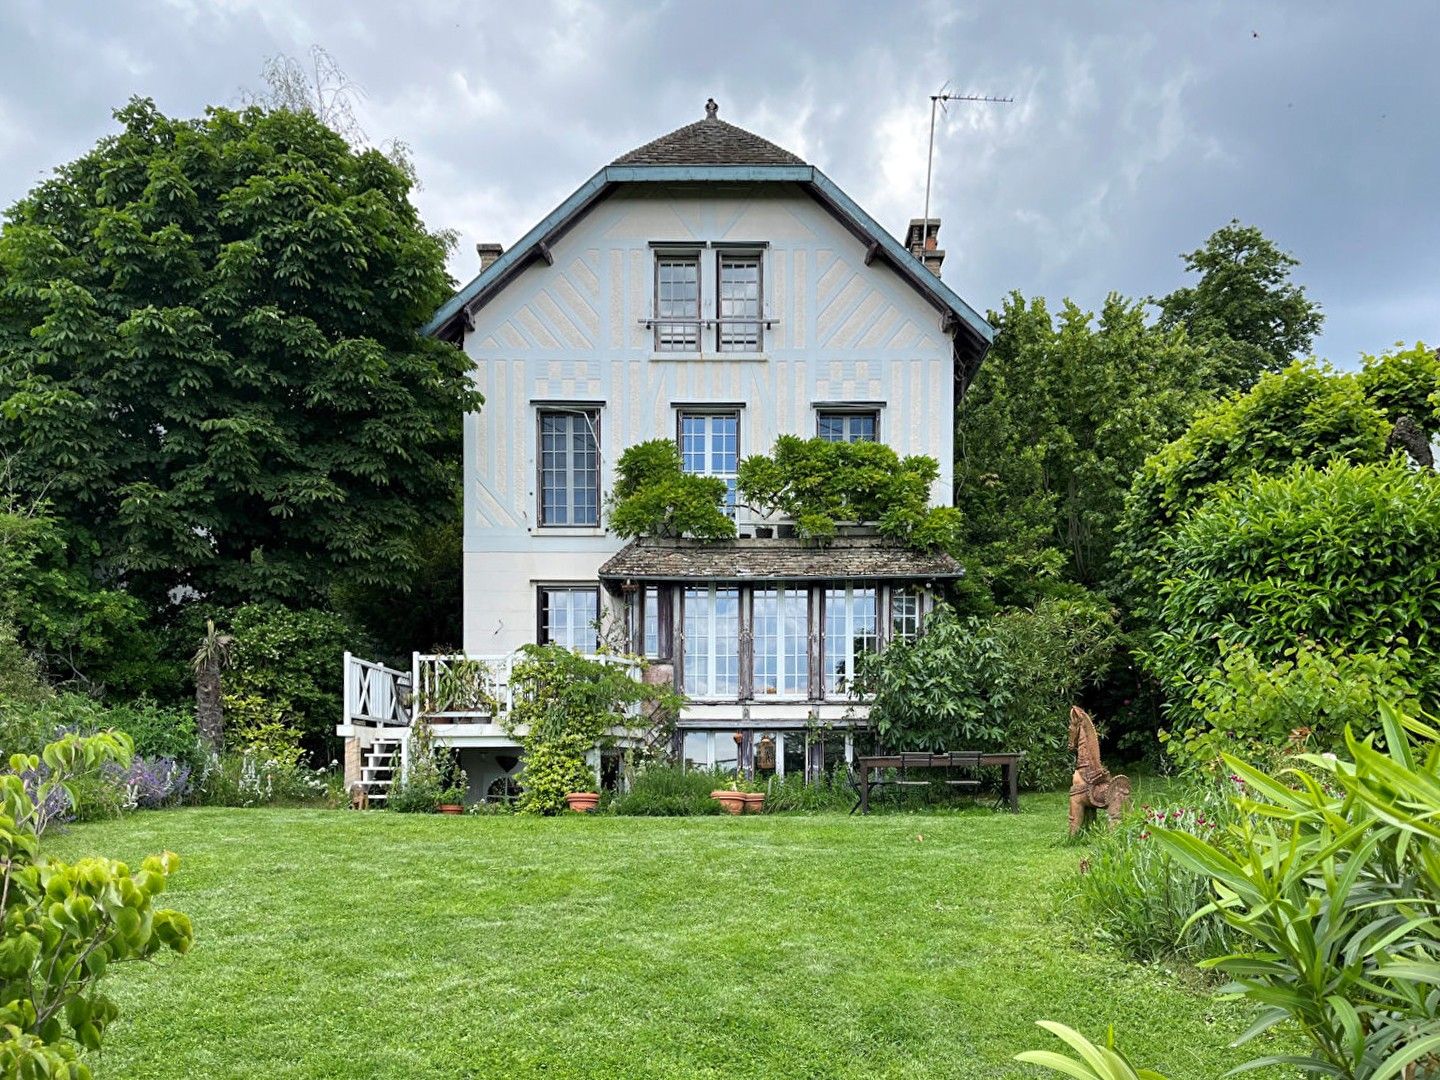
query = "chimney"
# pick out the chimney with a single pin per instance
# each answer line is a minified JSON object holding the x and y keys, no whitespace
{"x":922,"y":239}
{"x":488,"y":254}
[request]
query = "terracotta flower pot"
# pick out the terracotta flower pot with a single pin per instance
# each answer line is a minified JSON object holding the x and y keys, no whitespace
{"x":583,"y":802}
{"x":732,"y":801}
{"x":754,"y":802}
{"x":451,"y":808}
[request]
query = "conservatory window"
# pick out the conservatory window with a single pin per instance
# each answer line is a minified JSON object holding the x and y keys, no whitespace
{"x":782,"y":633}
{"x":905,"y":615}
{"x":712,"y":642}
{"x":850,"y":632}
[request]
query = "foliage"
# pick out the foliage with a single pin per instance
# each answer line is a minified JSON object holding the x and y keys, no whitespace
{"x":1133,"y":895}
{"x":211,"y":359}
{"x":64,"y":926}
{"x":1345,"y":557}
{"x":1405,"y":382}
{"x":1334,"y":887}
{"x":1094,"y":1063}
{"x":831,"y":792}
{"x":1306,"y":413}
{"x":1062,"y":413}
{"x":149,"y":783}
{"x":1245,"y":310}
{"x":660,"y":790}
{"x":83,"y":632}
{"x":1308,"y":698}
{"x":250,"y":777}
{"x":997,"y":683}
{"x":286,"y":665}
{"x":565,"y":705}
{"x":654,"y":496}
{"x":820,"y":485}
{"x":419,"y":789}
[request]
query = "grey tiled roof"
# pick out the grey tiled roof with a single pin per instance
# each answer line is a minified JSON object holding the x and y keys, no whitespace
{"x":858,"y":558}
{"x":709,"y":142}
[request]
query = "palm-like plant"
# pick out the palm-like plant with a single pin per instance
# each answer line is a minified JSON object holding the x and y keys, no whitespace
{"x":211,"y":657}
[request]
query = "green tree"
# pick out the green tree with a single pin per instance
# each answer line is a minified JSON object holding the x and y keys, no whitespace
{"x":1061,"y":415}
{"x":1244,"y":310}
{"x":211,"y":359}
{"x":1405,"y":382}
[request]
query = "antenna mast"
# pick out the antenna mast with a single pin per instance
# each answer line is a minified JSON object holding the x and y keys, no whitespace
{"x":940,"y":99}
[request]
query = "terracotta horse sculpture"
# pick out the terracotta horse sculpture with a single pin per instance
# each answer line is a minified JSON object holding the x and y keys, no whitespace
{"x":1092,"y":787}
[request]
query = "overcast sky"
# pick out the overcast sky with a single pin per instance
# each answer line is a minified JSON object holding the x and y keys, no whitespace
{"x":1137,"y":129}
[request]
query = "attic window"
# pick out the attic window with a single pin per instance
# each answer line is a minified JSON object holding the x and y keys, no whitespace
{"x":740,"y":324}
{"x":677,"y":302}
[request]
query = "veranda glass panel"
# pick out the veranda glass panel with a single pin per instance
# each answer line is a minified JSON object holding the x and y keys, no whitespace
{"x":850,"y":631}
{"x":905,"y":614}
{"x":712,"y":642}
{"x":793,"y":756}
{"x":782,"y":632}
{"x":569,"y":469}
{"x":650,"y":622}
{"x":696,"y":749}
{"x":727,"y":751}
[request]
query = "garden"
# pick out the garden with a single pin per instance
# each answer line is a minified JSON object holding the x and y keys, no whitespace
{"x":1228,"y":552}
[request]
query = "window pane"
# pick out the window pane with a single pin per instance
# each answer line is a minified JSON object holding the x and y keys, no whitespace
{"x":650,"y":623}
{"x":739,"y":307}
{"x":846,"y":426}
{"x":677,"y":298}
{"x":850,"y":630}
{"x":793,"y":744}
{"x":905,"y":614}
{"x":727,"y":751}
{"x":710,"y":446}
{"x":712,"y":642}
{"x":569,"y":469}
{"x":781,"y":642}
{"x":696,"y":673}
{"x":568,"y":617}
{"x":696,"y":749}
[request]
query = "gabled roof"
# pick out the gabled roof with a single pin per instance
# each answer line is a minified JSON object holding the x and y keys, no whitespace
{"x":738,"y":151}
{"x":860,"y":558}
{"x":709,"y":142}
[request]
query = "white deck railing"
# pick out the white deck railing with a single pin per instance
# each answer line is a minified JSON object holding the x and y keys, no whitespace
{"x":375,"y":694}
{"x":468,"y":687}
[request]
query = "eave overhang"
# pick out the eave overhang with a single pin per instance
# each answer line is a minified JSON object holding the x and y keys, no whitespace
{"x":973,"y":335}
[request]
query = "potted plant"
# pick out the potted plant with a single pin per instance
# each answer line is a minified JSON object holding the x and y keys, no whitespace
{"x":734,"y":797}
{"x":754,"y":799}
{"x":582,"y":802}
{"x":451,"y":799}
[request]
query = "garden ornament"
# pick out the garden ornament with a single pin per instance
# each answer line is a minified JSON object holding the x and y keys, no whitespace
{"x":1092,"y":787}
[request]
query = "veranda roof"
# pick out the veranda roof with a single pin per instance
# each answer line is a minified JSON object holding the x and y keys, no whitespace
{"x":776,"y":559}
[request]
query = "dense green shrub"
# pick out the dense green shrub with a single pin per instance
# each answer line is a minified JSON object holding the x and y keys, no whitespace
{"x":998,"y":683}
{"x":158,"y":731}
{"x":1135,"y":896}
{"x":246,"y":778}
{"x":1405,"y":382}
{"x":1308,"y":698}
{"x":286,"y":668}
{"x":1346,"y":557}
{"x":670,"y":791}
{"x":654,"y":496}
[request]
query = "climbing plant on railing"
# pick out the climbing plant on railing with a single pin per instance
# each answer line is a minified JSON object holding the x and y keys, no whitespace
{"x":564,"y":706}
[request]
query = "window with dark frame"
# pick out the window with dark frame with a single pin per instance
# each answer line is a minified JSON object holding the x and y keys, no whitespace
{"x":569,"y":467}
{"x":650,"y":622}
{"x":851,"y":630}
{"x":847,"y":425}
{"x":741,"y":325}
{"x":677,"y":302}
{"x":570,"y":615}
{"x":710,"y":446}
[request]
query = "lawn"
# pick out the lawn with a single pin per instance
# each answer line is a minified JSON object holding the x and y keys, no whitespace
{"x":335,"y":944}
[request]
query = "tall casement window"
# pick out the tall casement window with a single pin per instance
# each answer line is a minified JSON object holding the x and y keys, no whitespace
{"x":677,"y":302}
{"x":569,"y":616}
{"x":710,"y":446}
{"x":904,"y":615}
{"x":850,"y":632}
{"x":569,"y":467}
{"x":847,"y":425}
{"x":782,"y":635}
{"x":740,"y":327}
{"x":712,"y":642}
{"x":650,"y":622}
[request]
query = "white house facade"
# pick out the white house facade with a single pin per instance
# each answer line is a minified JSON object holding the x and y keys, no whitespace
{"x":712,"y":288}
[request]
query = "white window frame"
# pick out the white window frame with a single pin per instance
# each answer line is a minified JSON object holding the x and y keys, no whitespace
{"x":708,"y":449}
{"x":915,"y":596}
{"x":709,"y":646}
{"x":543,"y":634}
{"x":833,"y":682}
{"x":785,"y":657}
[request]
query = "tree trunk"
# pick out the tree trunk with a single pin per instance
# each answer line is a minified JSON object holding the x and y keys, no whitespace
{"x":209,"y":708}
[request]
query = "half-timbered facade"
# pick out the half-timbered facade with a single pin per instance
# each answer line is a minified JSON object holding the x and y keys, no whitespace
{"x":713,"y":288}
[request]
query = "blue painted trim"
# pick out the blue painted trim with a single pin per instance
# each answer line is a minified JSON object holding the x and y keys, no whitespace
{"x":899,"y":255}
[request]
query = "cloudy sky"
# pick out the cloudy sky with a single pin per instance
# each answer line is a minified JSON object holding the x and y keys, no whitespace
{"x":1136,"y":129}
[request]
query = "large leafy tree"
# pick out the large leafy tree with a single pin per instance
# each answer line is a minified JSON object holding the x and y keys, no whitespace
{"x":1244,"y":309}
{"x":1064,"y":411}
{"x":211,"y":361}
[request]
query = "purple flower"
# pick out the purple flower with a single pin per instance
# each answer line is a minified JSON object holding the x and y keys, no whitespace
{"x":151,"y":783}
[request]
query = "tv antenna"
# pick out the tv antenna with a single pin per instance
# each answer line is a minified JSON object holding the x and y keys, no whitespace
{"x":940,"y":99}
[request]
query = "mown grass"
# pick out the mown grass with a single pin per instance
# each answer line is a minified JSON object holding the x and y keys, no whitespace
{"x":335,"y":944}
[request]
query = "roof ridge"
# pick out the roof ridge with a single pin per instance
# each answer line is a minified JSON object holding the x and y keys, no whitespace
{"x":710,"y":141}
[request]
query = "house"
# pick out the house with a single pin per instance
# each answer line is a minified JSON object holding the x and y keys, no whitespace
{"x":713,"y":288}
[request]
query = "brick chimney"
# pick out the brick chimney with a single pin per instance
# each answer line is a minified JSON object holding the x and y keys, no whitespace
{"x":488,"y":253}
{"x":923,"y":241}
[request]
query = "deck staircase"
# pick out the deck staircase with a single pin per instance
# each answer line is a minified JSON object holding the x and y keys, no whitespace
{"x":378,"y":768}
